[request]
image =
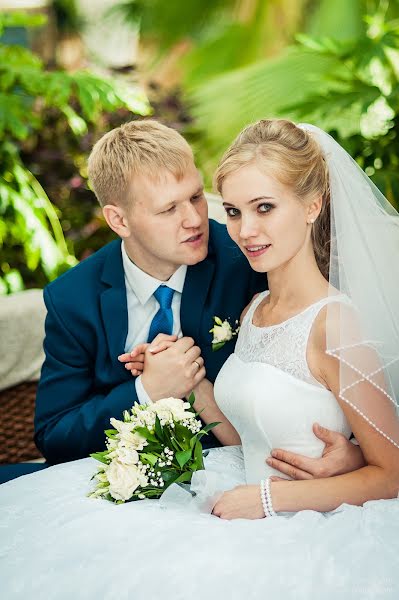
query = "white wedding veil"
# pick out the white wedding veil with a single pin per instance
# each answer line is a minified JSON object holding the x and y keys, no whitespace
{"x":363,"y":332}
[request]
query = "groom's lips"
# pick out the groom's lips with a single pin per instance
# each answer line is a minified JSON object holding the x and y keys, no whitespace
{"x":195,"y":240}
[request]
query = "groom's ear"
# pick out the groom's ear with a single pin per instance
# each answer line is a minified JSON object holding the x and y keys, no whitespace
{"x":116,"y":219}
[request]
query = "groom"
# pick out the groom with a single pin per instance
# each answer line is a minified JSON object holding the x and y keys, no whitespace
{"x":171,"y":271}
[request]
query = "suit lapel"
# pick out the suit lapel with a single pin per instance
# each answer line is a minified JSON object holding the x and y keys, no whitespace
{"x":196,"y":286}
{"x":114,"y":302}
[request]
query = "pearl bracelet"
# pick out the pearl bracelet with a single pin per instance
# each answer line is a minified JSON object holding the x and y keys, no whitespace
{"x":266,"y":498}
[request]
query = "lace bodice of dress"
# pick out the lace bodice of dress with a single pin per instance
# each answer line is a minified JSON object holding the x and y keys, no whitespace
{"x":267,"y":391}
{"x":284,"y":345}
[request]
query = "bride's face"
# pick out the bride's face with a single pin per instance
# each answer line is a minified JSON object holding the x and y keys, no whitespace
{"x":265,"y":218}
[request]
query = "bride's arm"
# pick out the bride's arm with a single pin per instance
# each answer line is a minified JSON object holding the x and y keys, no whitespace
{"x":378,"y":479}
{"x":205,"y":402}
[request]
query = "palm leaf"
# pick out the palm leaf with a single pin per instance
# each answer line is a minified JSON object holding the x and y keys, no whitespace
{"x":224,"y":105}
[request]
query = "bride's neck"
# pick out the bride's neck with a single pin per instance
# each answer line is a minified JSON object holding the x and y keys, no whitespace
{"x":296,"y":284}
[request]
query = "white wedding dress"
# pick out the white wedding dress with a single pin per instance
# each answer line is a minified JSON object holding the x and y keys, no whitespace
{"x":57,"y":543}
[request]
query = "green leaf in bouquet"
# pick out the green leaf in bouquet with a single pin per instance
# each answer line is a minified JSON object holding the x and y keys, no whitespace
{"x":143,"y":431}
{"x":183,"y":457}
{"x":169,"y":476}
{"x":158,"y":429}
{"x":175,"y":444}
{"x":183,"y":435}
{"x":209,"y":427}
{"x":206,"y":429}
{"x":198,"y":456}
{"x":146,"y":457}
{"x":110,"y":433}
{"x":100,"y":456}
{"x":154,"y":448}
{"x":191,"y":399}
{"x":184,"y":477}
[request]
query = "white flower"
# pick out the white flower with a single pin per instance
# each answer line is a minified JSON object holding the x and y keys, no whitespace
{"x":222,"y":333}
{"x":143,"y":418}
{"x":172,"y":409}
{"x":127,"y":436}
{"x":127,"y":455}
{"x":124,"y":479}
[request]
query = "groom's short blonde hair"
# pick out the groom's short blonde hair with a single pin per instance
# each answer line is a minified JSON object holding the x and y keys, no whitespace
{"x":138,"y":147}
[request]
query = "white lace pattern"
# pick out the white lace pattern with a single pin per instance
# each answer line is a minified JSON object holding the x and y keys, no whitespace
{"x":284,"y":345}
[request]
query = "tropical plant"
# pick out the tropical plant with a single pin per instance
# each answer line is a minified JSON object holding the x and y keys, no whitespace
{"x":29,"y":223}
{"x":236,"y":58}
{"x":348,"y":86}
{"x":203,"y":38}
{"x":359,"y":101}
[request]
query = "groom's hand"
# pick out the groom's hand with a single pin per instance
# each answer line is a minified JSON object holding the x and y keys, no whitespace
{"x":339,"y":456}
{"x":173,"y":372}
{"x":134,"y":360}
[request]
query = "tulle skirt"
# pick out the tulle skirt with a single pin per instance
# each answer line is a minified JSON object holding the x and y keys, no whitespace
{"x":57,"y":543}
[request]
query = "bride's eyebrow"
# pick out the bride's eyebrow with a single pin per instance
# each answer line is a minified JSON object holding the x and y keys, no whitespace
{"x":252,"y":201}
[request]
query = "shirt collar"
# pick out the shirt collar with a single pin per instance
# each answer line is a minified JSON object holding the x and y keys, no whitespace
{"x":144,"y":285}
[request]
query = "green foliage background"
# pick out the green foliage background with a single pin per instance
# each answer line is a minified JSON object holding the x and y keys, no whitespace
{"x":39,"y":107}
{"x":332,"y":64}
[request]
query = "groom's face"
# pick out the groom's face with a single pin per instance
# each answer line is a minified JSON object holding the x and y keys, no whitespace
{"x":168,"y":222}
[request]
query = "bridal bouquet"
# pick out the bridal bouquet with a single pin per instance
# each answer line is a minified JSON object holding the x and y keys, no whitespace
{"x":154,"y":446}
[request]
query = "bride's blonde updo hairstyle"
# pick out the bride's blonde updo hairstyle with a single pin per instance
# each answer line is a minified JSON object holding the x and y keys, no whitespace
{"x":292,"y":156}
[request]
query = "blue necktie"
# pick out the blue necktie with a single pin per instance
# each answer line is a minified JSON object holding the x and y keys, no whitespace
{"x":163,"y":320}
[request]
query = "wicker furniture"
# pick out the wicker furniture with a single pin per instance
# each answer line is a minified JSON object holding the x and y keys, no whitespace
{"x":17,"y":405}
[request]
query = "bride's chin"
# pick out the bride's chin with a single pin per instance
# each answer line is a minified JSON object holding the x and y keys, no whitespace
{"x":257,"y":266}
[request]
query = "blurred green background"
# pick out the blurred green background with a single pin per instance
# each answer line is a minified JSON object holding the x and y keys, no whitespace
{"x":72,"y":70}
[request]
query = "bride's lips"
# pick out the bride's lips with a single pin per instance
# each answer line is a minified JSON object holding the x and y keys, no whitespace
{"x":195,"y":240}
{"x":256,"y":250}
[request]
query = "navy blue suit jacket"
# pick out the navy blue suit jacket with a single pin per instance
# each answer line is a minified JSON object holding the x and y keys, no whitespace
{"x":82,"y":383}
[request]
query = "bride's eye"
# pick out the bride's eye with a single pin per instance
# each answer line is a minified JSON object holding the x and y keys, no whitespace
{"x":265,"y":207}
{"x":232,"y":212}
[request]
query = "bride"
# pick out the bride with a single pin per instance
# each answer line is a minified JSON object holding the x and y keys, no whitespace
{"x":321,"y":345}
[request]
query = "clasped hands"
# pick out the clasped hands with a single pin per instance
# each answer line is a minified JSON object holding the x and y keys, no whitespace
{"x":169,"y":367}
{"x":173,"y":367}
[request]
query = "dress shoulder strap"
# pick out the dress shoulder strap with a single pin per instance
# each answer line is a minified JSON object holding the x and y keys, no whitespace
{"x":253,"y":306}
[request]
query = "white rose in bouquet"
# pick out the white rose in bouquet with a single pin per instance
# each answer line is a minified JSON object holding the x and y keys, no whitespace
{"x":124,"y":479}
{"x":127,"y":455}
{"x":154,"y":446}
{"x":172,"y":409}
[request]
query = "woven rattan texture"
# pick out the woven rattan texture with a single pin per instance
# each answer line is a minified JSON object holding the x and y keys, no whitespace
{"x":17,"y":406}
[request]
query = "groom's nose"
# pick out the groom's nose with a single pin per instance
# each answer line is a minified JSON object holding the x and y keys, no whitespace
{"x":191,"y":217}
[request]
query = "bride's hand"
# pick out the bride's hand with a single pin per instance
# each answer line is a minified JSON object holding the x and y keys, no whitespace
{"x":243,"y":502}
{"x":134,"y":360}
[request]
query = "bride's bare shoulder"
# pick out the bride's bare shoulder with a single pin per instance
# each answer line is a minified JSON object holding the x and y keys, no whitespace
{"x":246,"y":309}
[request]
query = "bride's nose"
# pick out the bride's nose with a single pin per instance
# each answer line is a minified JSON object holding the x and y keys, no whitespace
{"x":249,"y":227}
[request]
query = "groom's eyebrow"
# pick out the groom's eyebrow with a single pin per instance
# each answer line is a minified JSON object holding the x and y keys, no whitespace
{"x":198,"y":191}
{"x":170,"y":203}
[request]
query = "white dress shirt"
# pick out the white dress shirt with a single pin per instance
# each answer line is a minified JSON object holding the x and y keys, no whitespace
{"x":142,"y":306}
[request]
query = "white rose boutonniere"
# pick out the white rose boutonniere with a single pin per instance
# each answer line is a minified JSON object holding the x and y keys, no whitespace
{"x":222,"y":332}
